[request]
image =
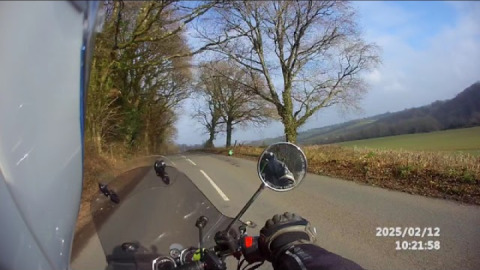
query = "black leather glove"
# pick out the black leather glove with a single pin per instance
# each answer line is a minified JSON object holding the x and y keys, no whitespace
{"x":283,"y":231}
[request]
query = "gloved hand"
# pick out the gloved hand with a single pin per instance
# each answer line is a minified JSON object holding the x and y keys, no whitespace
{"x":283,"y":231}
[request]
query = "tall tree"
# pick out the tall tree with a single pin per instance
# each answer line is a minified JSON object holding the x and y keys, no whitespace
{"x":208,"y":113}
{"x":229,"y":102}
{"x":140,"y":72}
{"x":309,"y":53}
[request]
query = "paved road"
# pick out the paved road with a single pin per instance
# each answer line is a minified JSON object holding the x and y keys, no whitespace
{"x":346,"y":216}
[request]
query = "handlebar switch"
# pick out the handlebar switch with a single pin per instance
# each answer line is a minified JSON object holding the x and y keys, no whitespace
{"x":250,"y":250}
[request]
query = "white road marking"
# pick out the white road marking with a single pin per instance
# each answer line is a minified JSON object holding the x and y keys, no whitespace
{"x":191,"y":161}
{"x":173,"y":163}
{"x":184,"y":157}
{"x":225,"y":198}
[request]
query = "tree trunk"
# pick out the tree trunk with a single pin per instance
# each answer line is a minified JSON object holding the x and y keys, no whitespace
{"x":229,"y":133}
{"x":98,"y":144}
{"x":209,"y":143}
{"x":97,"y":139}
{"x":147,"y":138}
{"x":290,"y":130}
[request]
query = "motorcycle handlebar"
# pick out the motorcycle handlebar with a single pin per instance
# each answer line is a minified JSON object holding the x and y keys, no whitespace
{"x":248,"y":246}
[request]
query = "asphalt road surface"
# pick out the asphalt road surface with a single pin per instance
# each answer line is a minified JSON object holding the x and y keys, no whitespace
{"x":346,"y":215}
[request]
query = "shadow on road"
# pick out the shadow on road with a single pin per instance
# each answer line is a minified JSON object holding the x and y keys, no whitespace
{"x":124,"y":184}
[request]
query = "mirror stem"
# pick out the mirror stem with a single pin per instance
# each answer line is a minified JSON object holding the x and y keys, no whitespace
{"x":245,"y":208}
{"x":200,"y":224}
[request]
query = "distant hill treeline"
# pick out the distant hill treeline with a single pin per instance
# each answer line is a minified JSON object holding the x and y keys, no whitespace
{"x":459,"y":112}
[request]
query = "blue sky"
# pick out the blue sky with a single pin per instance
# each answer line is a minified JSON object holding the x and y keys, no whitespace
{"x":430,"y":51}
{"x":415,"y":21}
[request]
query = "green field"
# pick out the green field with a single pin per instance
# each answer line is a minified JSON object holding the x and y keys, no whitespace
{"x":455,"y":140}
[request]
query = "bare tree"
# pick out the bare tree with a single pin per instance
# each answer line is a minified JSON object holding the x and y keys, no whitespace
{"x":208,"y":113}
{"x":229,"y":102}
{"x":309,"y":54}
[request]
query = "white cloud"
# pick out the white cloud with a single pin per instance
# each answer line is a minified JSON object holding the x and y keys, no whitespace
{"x":412,"y":77}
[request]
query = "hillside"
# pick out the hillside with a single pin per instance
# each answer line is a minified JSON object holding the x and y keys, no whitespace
{"x":459,"y":112}
{"x":466,"y":140}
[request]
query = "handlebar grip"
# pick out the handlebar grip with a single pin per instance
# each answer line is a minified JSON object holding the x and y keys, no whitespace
{"x":191,"y":266}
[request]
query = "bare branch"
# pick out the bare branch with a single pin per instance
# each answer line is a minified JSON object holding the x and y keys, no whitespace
{"x":318,"y":51}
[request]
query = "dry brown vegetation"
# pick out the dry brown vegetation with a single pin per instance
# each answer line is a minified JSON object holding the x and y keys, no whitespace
{"x":94,"y":166}
{"x":433,"y":174}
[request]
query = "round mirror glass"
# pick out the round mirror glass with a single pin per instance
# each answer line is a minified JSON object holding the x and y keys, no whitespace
{"x":282,"y":166}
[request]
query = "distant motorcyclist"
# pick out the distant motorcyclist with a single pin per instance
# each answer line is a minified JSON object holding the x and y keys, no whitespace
{"x":287,"y":242}
{"x":159,"y":167}
{"x":275,"y":171}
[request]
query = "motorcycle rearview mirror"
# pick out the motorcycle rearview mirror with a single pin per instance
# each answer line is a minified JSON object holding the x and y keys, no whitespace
{"x":281,"y":167}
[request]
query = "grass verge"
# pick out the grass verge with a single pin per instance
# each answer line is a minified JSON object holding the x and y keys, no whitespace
{"x":432,"y":174}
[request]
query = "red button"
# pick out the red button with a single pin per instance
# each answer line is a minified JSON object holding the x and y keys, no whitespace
{"x":248,"y":241}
